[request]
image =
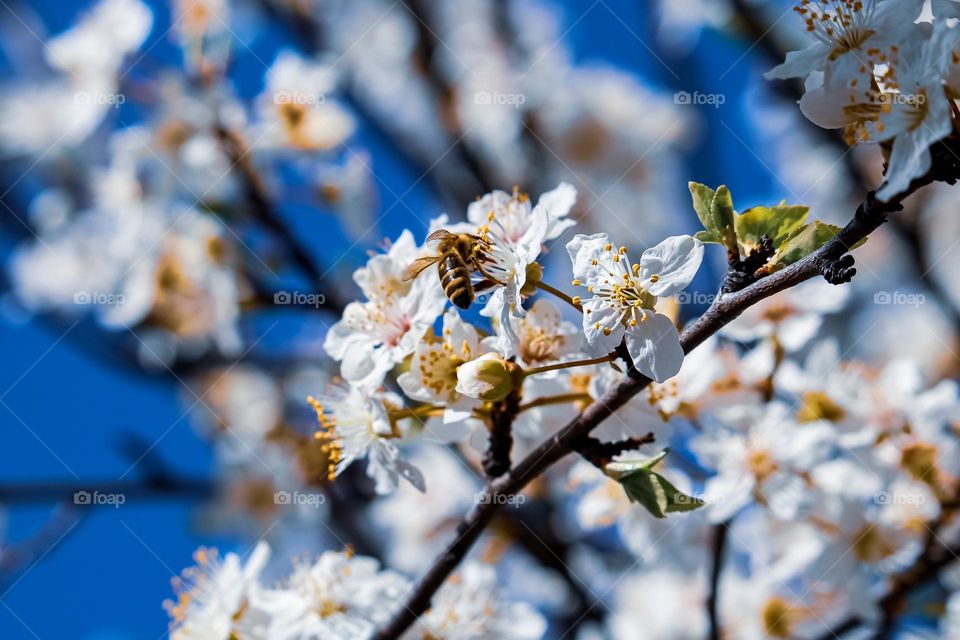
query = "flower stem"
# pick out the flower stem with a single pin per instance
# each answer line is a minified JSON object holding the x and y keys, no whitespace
{"x":559,"y":399}
{"x":560,"y":294}
{"x":569,"y":365}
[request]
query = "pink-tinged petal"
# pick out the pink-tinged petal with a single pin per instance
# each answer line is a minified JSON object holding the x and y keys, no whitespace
{"x":655,"y":347}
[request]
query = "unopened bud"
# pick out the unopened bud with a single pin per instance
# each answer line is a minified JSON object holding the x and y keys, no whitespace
{"x":490,"y":377}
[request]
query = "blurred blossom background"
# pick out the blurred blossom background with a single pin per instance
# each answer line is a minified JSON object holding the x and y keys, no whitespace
{"x":188,"y":186}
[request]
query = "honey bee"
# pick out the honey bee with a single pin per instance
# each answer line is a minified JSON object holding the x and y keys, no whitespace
{"x":458,"y":256}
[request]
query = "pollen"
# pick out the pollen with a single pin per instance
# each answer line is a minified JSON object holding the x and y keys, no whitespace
{"x":327,"y":433}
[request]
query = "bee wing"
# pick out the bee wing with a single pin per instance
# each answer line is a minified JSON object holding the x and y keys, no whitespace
{"x":418,"y":266}
{"x":439,"y":234}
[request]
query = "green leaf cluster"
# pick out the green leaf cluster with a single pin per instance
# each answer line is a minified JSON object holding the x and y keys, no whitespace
{"x":742,"y":234}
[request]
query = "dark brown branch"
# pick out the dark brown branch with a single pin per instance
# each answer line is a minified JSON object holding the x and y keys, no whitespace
{"x":445,"y":93}
{"x":530,"y":528}
{"x":600,"y":453}
{"x":719,"y":546}
{"x":496,"y":461}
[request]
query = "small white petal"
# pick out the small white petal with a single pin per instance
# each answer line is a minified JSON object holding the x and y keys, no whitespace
{"x":655,"y":347}
{"x":674,"y":262}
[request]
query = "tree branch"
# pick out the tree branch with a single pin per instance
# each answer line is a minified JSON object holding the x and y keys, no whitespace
{"x":720,"y":532}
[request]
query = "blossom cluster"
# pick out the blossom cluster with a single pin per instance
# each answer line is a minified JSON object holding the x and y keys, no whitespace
{"x":828,"y":475}
{"x":885,"y":71}
{"x":337,"y":595}
{"x":452,"y":375}
{"x":823,"y":475}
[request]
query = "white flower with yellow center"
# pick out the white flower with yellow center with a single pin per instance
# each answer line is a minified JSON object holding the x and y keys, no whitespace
{"x":340,"y":597}
{"x":848,"y":35}
{"x":624,"y":295}
{"x":375,"y":335}
{"x":513,"y":233}
{"x":213,"y":598}
{"x":920,"y":113}
{"x":764,"y":458}
{"x":433,"y":372}
{"x":433,"y":377}
{"x":297,"y":110}
{"x":356,"y":424}
{"x":543,"y":336}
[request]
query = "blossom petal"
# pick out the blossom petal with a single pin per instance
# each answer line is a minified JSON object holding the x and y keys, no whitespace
{"x":584,"y":250}
{"x":557,"y":204}
{"x":596,"y":316}
{"x":674,"y":261}
{"x":654,"y":345}
{"x":799,"y":64}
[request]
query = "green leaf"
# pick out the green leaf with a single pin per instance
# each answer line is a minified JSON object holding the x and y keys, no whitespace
{"x":708,"y":237}
{"x":805,"y":241}
{"x":777,"y":223}
{"x":647,"y":487}
{"x":716,"y":213}
{"x":703,"y":197}
{"x":723,"y":212}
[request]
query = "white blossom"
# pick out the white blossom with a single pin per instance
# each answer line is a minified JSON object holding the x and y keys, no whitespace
{"x":624,"y":295}
{"x":214,"y":597}
{"x":340,"y":596}
{"x":375,"y":335}
{"x":513,"y":233}
{"x":355,"y":424}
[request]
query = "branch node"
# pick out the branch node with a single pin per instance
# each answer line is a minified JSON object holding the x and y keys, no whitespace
{"x":600,"y":453}
{"x":743,"y":273}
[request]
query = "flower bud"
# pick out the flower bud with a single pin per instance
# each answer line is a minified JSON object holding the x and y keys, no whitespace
{"x":490,"y":377}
